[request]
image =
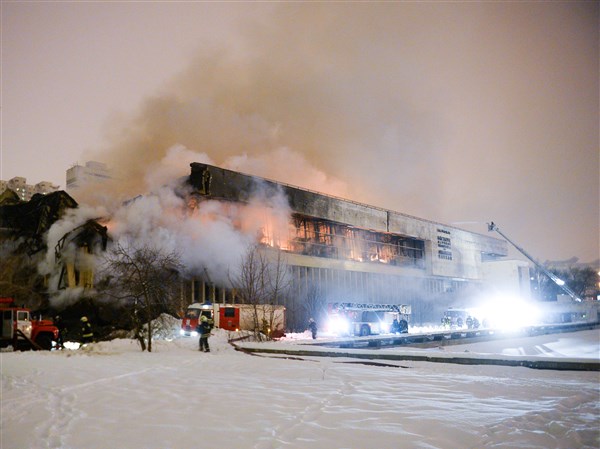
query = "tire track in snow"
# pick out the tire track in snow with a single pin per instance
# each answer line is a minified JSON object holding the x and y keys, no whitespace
{"x":542,"y":426}
{"x":61,"y":415}
{"x":291,"y":434}
{"x":58,"y":408}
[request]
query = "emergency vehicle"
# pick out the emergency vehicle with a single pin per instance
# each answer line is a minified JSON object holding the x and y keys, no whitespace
{"x":21,"y":332}
{"x":270,"y":319}
{"x":459,"y":318}
{"x":346,"y":318}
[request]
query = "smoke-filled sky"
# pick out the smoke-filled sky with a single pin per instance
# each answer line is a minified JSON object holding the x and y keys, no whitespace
{"x":457,"y":112}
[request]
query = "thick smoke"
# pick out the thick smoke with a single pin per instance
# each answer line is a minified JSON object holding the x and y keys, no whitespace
{"x":210,"y":236}
{"x":49,"y":266}
{"x":443,"y":111}
{"x":366,"y":101}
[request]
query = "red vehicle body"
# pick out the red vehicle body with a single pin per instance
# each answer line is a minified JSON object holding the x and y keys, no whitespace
{"x":270,"y":319}
{"x":21,"y":332}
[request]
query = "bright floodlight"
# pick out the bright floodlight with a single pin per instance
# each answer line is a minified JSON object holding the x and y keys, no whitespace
{"x":510,"y":312}
{"x":339,"y":325}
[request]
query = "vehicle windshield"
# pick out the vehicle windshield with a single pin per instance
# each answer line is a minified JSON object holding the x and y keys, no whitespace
{"x":192,"y":313}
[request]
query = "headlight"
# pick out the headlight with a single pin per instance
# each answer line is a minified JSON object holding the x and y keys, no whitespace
{"x":181,"y":332}
{"x":194,"y":334}
{"x":339,"y":325}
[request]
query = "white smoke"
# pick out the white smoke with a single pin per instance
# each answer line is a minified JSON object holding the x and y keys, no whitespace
{"x":72,"y":219}
{"x":209,"y":235}
{"x":172,"y":166}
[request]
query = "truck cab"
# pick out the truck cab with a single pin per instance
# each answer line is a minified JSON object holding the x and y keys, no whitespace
{"x":21,"y":332}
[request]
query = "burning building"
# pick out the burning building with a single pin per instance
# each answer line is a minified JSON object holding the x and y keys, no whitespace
{"x":348,"y":251}
{"x":24,"y":228}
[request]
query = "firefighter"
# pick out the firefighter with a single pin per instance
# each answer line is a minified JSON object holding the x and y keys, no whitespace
{"x":313,"y":328}
{"x":204,"y":329}
{"x":446,"y":321}
{"x":87,"y":334}
{"x":395,"y":326}
{"x":62,"y":330}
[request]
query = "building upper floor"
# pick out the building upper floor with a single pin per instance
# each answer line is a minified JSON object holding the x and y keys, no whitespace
{"x":92,"y":171}
{"x":344,"y":230}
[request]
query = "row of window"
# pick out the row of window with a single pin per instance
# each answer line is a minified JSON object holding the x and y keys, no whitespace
{"x":322,"y":238}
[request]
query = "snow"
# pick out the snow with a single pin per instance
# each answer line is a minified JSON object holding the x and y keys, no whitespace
{"x":111,"y":395}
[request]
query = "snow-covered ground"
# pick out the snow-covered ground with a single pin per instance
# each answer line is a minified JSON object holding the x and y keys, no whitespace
{"x":111,"y":395}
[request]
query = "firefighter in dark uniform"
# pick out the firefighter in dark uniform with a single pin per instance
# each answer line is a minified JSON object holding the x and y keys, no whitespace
{"x":87,"y":334}
{"x":204,"y":329}
{"x":62,"y":330}
{"x":313,"y":328}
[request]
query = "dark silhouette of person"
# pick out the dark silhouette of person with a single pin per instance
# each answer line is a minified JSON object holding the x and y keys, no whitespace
{"x":313,"y":328}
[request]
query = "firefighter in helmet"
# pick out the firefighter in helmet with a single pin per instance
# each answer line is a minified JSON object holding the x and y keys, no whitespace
{"x":204,"y":329}
{"x":87,"y":334}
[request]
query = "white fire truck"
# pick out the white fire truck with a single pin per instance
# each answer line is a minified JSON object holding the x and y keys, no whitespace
{"x":21,"y":332}
{"x":347,"y":318}
{"x":266,"y":318}
{"x":459,"y":318}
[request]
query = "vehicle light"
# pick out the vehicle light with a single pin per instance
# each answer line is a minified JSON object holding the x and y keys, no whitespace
{"x":194,"y":334}
{"x":181,"y":332}
{"x":338,"y":325}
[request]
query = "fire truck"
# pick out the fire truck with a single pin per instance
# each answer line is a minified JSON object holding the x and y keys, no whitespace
{"x":459,"y":318}
{"x":347,"y":318}
{"x":266,"y":318}
{"x":21,"y":332}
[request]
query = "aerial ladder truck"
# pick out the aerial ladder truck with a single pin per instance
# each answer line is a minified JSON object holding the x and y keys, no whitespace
{"x":493,"y":227}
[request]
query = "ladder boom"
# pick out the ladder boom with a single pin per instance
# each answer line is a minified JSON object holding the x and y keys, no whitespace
{"x":493,"y":227}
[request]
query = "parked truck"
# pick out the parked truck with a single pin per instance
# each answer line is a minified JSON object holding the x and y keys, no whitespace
{"x":22,"y":332}
{"x":266,"y":318}
{"x":347,"y":318}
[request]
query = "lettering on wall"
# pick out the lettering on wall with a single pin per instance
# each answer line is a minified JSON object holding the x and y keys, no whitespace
{"x":444,"y":243}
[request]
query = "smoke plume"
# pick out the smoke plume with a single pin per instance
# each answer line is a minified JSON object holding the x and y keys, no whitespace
{"x":443,"y":111}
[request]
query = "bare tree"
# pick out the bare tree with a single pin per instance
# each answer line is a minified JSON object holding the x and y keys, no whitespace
{"x":145,"y":279}
{"x":314,"y":304}
{"x":582,"y":281}
{"x":261,"y":282}
{"x":19,"y":278}
{"x":279,"y":284}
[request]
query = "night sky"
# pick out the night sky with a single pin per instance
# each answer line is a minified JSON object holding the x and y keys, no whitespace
{"x":457,"y":112}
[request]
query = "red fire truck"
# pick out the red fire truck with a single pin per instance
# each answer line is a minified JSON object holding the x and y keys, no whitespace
{"x":21,"y":332}
{"x":266,"y":318}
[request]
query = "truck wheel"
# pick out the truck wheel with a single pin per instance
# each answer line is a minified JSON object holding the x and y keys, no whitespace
{"x":44,"y":341}
{"x":365,"y":330}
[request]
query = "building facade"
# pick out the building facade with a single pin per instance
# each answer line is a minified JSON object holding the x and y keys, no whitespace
{"x":341,"y":250}
{"x":25,"y":191}
{"x":91,"y":172}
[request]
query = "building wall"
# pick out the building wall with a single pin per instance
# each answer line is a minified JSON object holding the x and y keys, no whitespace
{"x":451,"y":263}
{"x":449,"y":251}
{"x":509,"y":277}
{"x":25,"y":191}
{"x":92,"y":171}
